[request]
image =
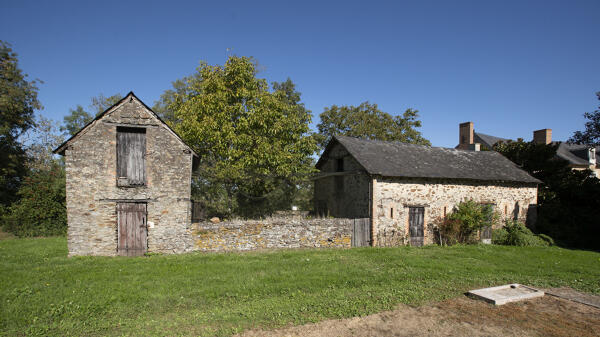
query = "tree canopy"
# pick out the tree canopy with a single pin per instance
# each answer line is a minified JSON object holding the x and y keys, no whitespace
{"x":18,"y":101}
{"x":568,"y":206}
{"x":79,"y":117}
{"x":250,"y":139}
{"x":367,"y":121}
{"x":591,"y":134}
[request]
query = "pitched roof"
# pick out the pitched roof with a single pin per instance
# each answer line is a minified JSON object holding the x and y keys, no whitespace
{"x":395,"y":159}
{"x":487,"y":140}
{"x":576,"y":154}
{"x":62,"y":147}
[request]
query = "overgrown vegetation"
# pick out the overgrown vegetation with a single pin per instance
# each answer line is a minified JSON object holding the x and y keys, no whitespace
{"x":569,"y":207}
{"x":465,"y":222}
{"x":43,"y":292}
{"x":515,"y":233}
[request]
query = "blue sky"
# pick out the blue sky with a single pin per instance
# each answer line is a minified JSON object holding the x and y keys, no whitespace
{"x":510,"y":67}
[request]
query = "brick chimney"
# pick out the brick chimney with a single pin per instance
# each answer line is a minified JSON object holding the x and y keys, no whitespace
{"x":465,"y":135}
{"x":543,"y":136}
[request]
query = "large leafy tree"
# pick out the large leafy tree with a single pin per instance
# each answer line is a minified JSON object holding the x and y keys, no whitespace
{"x":591,"y":134}
{"x":250,"y":139}
{"x":18,"y":100}
{"x":79,"y":117}
{"x":569,"y":208}
{"x":367,"y":121}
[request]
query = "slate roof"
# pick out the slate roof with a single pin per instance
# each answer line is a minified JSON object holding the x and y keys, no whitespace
{"x":487,"y":140}
{"x":395,"y":159}
{"x":576,"y":154}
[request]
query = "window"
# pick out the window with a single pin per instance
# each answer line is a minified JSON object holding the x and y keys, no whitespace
{"x":392,"y":212}
{"x":131,"y":153}
{"x":340,"y":165}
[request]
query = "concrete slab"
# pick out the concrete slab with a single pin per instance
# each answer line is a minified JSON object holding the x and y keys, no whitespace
{"x":506,"y":293}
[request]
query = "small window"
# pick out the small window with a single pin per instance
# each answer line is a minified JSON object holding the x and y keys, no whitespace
{"x":340,"y":165}
{"x":131,"y":153}
{"x":392,"y":212}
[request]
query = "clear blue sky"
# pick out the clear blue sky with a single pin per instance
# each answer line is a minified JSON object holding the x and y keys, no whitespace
{"x":510,"y":67}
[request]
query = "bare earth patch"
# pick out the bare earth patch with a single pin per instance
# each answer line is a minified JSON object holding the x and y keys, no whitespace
{"x":545,"y":316}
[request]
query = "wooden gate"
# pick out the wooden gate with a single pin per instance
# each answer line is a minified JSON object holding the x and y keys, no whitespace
{"x":361,"y":232}
{"x":133,"y":233}
{"x":416,"y":217}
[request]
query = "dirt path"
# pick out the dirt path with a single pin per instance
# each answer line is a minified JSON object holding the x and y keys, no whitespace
{"x":546,"y":316}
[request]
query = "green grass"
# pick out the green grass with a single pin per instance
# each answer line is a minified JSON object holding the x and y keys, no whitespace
{"x":42,"y":292}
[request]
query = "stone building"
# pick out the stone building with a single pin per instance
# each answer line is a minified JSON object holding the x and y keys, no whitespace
{"x":128,"y":184}
{"x":406,"y":189}
{"x":579,"y":156}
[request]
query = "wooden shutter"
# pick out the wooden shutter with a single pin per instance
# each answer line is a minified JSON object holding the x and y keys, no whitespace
{"x":131,"y":155}
{"x":132,"y":232}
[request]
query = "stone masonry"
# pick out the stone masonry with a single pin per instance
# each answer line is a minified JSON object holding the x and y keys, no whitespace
{"x":393,"y":197}
{"x":273,"y":233}
{"x":92,"y":191}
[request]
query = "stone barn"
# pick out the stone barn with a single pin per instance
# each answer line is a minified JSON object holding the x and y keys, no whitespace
{"x":128,"y":184}
{"x":406,"y":189}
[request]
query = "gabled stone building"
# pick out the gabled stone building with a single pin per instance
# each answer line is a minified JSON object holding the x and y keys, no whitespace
{"x":404,"y":189}
{"x":128,"y":184}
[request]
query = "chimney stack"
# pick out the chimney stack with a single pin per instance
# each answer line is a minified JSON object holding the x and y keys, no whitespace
{"x":465,"y":135}
{"x":543,"y":136}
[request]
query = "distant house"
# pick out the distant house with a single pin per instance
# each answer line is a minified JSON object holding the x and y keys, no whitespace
{"x":404,"y":189}
{"x":579,"y":156}
{"x":128,"y":184}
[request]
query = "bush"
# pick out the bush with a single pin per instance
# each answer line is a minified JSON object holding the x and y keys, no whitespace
{"x":466,"y":219}
{"x":515,"y":233}
{"x":40,"y":210}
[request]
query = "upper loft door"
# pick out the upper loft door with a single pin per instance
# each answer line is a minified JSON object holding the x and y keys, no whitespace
{"x":131,"y":156}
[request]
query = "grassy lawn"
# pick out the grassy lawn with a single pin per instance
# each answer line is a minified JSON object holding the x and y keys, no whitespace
{"x":42,"y":292}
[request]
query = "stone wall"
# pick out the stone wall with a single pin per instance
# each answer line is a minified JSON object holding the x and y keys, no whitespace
{"x":273,"y":233}
{"x":342,"y":194}
{"x":393,"y":197}
{"x":92,"y":192}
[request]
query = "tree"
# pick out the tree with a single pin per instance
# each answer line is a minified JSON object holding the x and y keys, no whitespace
{"x":568,"y":206}
{"x":18,"y":100}
{"x":591,"y":135}
{"x":250,"y":139}
{"x":78,"y":117}
{"x":368,"y":122}
{"x":181,"y":89}
{"x":40,"y":209}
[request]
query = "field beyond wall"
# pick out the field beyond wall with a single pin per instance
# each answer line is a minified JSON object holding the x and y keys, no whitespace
{"x":42,"y":292}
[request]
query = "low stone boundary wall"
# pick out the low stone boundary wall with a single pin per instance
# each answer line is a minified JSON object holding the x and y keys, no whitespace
{"x":241,"y":235}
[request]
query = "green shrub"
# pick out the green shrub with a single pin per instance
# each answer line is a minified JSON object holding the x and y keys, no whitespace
{"x":40,"y":210}
{"x":515,"y":233}
{"x":463,"y":224}
{"x":499,"y":236}
{"x":546,"y":238}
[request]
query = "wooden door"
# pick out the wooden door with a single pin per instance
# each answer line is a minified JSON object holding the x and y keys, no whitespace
{"x":416,"y":217}
{"x":133,"y":233}
{"x":361,"y":232}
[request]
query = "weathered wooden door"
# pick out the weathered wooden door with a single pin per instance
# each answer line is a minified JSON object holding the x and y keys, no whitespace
{"x":416,"y":225}
{"x":486,"y":234}
{"x":133,"y":233}
{"x":361,"y":232}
